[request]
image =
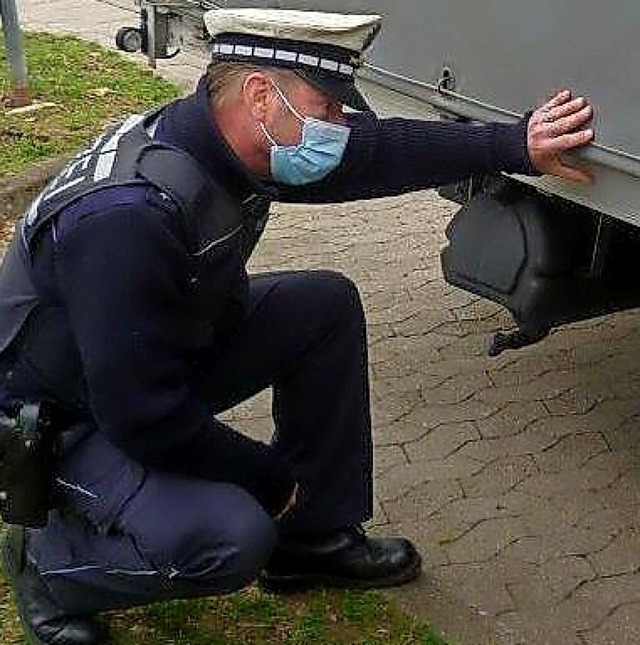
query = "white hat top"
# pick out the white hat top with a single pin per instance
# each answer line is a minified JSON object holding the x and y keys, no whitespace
{"x":350,"y":31}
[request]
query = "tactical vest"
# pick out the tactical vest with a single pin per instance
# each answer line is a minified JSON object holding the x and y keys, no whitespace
{"x":125,"y":155}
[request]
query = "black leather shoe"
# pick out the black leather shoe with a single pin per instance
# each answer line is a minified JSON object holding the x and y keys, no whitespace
{"x":346,"y":558}
{"x":44,"y":622}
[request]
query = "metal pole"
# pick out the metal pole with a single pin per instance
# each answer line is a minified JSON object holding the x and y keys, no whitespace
{"x":15,"y":54}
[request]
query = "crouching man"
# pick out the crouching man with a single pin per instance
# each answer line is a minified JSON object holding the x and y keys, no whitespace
{"x":125,"y":305}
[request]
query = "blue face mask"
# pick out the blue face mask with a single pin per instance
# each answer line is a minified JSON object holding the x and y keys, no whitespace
{"x":320,"y":151}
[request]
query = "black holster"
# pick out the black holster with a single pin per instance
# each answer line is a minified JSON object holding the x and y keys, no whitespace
{"x":26,"y":466}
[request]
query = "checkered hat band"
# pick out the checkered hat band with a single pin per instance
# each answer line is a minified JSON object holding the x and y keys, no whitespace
{"x":282,"y":56}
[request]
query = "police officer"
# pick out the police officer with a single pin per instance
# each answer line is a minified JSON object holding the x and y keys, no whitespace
{"x":126,"y":304}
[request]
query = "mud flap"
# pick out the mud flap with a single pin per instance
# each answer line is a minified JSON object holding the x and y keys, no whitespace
{"x":537,"y":262}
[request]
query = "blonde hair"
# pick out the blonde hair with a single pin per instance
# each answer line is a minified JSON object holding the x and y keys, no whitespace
{"x":224,"y":78}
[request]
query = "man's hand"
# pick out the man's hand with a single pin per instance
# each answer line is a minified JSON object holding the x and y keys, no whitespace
{"x":555,"y":128}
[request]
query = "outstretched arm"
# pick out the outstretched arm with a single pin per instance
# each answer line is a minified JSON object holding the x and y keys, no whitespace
{"x":392,"y":156}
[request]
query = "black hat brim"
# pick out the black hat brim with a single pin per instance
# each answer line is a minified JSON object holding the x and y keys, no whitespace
{"x":343,"y":91}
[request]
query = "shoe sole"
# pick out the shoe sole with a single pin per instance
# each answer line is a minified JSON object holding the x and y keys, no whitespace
{"x":12,"y":569}
{"x":292,"y":583}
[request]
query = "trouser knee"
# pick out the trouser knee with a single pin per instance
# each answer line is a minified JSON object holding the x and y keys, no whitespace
{"x":247,"y":543}
{"x":223,"y":556}
{"x":341,"y":298}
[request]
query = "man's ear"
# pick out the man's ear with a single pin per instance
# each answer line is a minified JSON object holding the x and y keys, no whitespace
{"x":257,"y":92}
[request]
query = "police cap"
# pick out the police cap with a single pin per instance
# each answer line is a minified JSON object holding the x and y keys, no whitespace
{"x":325,"y":49}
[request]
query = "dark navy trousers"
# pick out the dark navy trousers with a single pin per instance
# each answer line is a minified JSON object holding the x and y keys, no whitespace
{"x":130,"y":536}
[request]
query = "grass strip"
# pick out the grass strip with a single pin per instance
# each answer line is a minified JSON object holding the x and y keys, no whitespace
{"x":88,"y":86}
{"x":253,"y":617}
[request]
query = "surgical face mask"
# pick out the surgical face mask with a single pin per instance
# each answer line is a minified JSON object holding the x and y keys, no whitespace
{"x":319,"y":152}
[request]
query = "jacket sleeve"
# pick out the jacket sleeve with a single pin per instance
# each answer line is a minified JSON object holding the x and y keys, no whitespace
{"x":122,"y":276}
{"x":392,"y":156}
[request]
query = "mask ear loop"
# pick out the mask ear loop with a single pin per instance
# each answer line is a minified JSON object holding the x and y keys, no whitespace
{"x":286,"y":101}
{"x":269,"y":138}
{"x":287,"y":104}
{"x":263,"y":127}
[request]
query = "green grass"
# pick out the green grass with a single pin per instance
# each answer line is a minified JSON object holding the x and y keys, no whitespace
{"x":252,"y":617}
{"x":90,"y":87}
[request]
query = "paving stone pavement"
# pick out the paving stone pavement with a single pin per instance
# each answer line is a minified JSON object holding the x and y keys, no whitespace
{"x":518,"y":477}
